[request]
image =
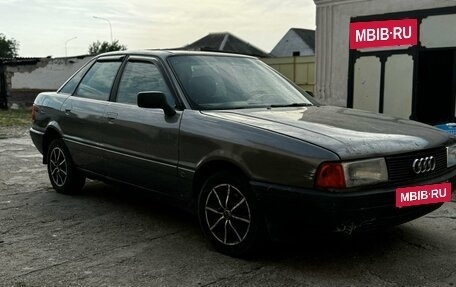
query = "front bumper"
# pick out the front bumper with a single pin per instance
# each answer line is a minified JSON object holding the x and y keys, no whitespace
{"x":292,"y":212}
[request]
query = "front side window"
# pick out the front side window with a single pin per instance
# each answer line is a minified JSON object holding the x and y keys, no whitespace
{"x":141,"y":77}
{"x":97,"y":83}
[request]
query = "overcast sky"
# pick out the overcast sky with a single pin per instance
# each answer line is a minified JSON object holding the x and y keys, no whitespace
{"x":42,"y":26}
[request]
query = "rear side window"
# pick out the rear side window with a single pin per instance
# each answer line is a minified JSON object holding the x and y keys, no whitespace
{"x":97,"y":83}
{"x":71,"y":85}
{"x":140,"y":77}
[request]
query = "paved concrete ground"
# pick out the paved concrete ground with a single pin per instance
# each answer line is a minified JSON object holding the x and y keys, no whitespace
{"x":109,"y":236}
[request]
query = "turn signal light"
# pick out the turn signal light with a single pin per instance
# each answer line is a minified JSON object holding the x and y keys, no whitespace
{"x":330,"y":175}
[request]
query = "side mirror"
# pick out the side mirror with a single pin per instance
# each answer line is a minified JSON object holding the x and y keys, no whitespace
{"x":155,"y":100}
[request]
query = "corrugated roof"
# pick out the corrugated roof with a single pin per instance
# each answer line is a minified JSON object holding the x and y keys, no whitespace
{"x":225,"y":42}
{"x":19,"y":60}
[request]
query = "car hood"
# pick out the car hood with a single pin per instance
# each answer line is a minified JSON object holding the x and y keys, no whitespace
{"x":349,"y":133}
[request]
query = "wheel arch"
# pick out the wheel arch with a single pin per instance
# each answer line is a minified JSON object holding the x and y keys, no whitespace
{"x":211,"y":167}
{"x":253,"y":237}
{"x":52,"y":132}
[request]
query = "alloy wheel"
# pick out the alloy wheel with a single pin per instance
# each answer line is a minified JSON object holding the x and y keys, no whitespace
{"x":58,"y":167}
{"x":228,"y":215}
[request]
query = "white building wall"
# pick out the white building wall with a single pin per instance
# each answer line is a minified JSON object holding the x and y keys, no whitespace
{"x":332,"y":39}
{"x":47,"y":74}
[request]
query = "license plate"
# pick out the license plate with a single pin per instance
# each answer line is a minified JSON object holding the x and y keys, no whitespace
{"x":423,"y":194}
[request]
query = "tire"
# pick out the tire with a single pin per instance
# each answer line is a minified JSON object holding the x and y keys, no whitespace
{"x":64,"y":176}
{"x":229,"y":216}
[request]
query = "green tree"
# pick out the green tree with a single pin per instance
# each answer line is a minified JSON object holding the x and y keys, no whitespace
{"x":8,"y":47}
{"x":103,"y":47}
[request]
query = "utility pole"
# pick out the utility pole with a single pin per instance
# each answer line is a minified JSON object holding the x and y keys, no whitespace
{"x":66,"y":43}
{"x":109,"y":22}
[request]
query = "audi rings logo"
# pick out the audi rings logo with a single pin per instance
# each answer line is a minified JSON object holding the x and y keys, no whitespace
{"x":424,"y":164}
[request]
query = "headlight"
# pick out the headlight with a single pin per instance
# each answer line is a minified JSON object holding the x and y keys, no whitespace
{"x":365,"y":172}
{"x":339,"y":175}
{"x":451,"y":156}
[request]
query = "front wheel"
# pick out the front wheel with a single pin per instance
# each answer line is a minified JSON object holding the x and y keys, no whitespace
{"x":228,"y":215}
{"x":64,"y":176}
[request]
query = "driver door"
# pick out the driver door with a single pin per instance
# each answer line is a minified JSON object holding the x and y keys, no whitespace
{"x":142,"y":144}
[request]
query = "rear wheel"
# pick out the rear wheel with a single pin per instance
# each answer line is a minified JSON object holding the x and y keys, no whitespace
{"x":64,"y":176}
{"x":229,"y":216}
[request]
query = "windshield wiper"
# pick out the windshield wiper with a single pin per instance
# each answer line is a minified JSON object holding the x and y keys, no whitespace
{"x":292,"y":105}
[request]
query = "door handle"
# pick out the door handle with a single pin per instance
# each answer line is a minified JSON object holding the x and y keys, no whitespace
{"x":66,"y":108}
{"x":111,"y":116}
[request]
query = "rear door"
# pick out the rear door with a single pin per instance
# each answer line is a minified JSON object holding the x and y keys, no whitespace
{"x":85,"y":111}
{"x":142,"y":144}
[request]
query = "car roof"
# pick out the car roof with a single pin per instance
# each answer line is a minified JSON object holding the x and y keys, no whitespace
{"x":167,"y":53}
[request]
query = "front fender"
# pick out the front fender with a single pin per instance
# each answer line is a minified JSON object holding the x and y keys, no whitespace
{"x":262,"y":155}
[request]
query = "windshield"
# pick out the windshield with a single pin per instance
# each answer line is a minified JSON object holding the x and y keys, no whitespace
{"x":224,"y":82}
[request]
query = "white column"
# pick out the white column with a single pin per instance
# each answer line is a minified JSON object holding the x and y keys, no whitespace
{"x":323,"y":50}
{"x":328,"y":66}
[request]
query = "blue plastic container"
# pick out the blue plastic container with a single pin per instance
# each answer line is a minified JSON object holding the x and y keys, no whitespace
{"x":448,"y":127}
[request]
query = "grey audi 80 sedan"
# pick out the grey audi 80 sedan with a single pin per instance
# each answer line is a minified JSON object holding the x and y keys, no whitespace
{"x":249,"y":152}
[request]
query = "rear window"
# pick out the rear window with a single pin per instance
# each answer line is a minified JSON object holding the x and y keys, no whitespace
{"x":97,"y":83}
{"x":70,"y":85}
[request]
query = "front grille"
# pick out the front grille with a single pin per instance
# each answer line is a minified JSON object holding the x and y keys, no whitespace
{"x":400,"y":166}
